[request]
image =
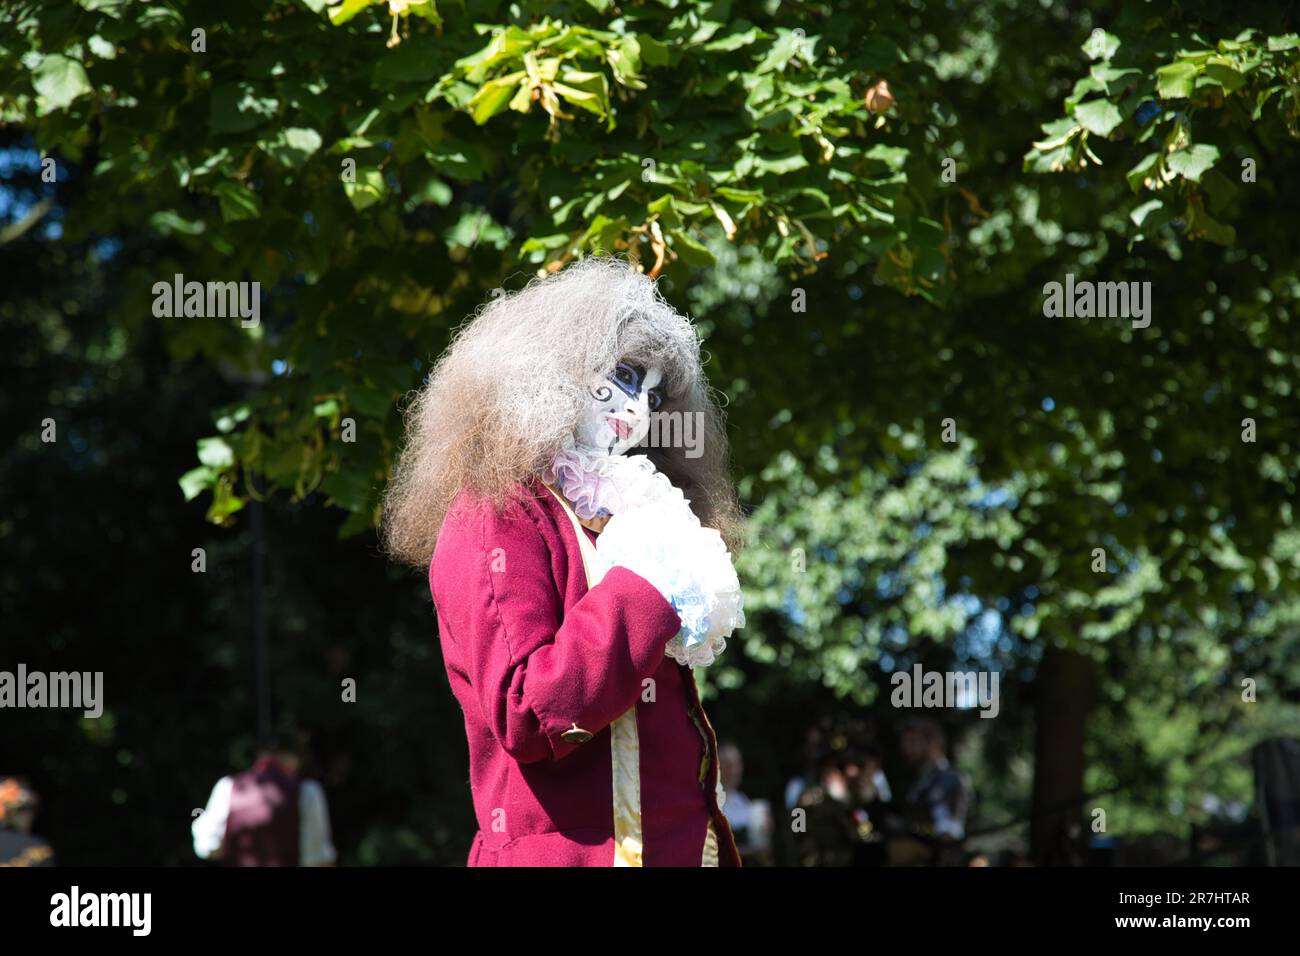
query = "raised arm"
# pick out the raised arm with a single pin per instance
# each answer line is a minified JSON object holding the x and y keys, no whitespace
{"x":536,"y":671}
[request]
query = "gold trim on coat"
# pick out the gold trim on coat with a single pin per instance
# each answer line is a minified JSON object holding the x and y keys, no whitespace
{"x":710,"y":857}
{"x":624,"y":741}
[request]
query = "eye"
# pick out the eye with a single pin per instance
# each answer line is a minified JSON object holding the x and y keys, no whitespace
{"x":656,"y":397}
{"x":628,"y":377}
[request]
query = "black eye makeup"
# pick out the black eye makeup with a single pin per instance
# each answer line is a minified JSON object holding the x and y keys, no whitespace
{"x":628,"y":377}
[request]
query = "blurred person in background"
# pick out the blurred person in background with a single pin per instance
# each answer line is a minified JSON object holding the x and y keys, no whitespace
{"x":807,"y":776}
{"x":936,"y":804}
{"x":826,"y":832}
{"x":751,"y":820}
{"x":268,"y":815}
{"x":870,"y":802}
{"x":18,"y":846}
{"x":869,"y":784}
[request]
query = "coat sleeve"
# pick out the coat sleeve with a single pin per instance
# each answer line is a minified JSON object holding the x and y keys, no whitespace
{"x":535,"y":670}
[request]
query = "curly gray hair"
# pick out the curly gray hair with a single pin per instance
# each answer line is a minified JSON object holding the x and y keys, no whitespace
{"x":507,"y":394}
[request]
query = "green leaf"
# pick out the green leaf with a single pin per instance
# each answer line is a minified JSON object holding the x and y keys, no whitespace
{"x":1140,"y":213}
{"x":1218,"y":188}
{"x":1192,"y":161}
{"x":348,"y":9}
{"x":734,"y":41}
{"x":350,"y":489}
{"x":227,"y":421}
{"x":1098,"y":116}
{"x":625,"y":61}
{"x":369,"y":188}
{"x":1110,"y":77}
{"x":931,"y":266}
{"x":780,"y":165}
{"x":168,"y":221}
{"x":892,"y":156}
{"x":1057,"y":133}
{"x":587,"y":90}
{"x":692,"y":252}
{"x":786,"y":45}
{"x":416,"y":60}
{"x":1144,"y":170}
{"x":293,"y":146}
{"x":102,"y":48}
{"x":1263,"y":97}
{"x":604,"y":232}
{"x":235,"y":108}
{"x":493,"y":97}
{"x":1224,"y":76}
{"x":224,"y":503}
{"x":1201,"y":225}
{"x":237,"y":201}
{"x":653,"y":53}
{"x":742,"y":195}
{"x":665,"y":209}
{"x":59,"y":80}
{"x":433,"y":191}
{"x":544,"y":243}
{"x":1176,"y":80}
{"x":428,"y":10}
{"x":1100,"y":45}
{"x":196,"y":481}
{"x":216,"y":453}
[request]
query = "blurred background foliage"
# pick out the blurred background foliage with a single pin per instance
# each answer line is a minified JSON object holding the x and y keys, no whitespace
{"x":860,"y":203}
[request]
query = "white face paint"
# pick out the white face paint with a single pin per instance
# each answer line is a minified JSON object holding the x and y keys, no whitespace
{"x":622,"y":402}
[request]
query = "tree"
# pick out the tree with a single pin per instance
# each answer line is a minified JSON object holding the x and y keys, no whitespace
{"x":380,"y":175}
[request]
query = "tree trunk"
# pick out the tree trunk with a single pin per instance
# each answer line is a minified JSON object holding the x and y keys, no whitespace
{"x":1065,"y":692}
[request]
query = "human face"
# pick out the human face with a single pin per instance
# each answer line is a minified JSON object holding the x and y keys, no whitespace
{"x":618,"y":417}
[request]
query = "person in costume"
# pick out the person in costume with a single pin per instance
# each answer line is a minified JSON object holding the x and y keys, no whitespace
{"x":937,"y":802}
{"x":18,"y":845}
{"x":580,"y":569}
{"x":269,"y":815}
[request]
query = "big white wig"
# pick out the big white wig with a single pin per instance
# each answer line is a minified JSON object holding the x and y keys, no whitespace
{"x":509,"y":391}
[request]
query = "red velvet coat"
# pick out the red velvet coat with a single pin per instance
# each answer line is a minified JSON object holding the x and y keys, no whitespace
{"x":530,"y":653}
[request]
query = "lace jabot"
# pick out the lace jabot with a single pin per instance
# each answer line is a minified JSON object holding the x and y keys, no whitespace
{"x":653,"y":532}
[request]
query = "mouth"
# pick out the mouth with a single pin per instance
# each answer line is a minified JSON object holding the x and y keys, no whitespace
{"x":621,"y":428}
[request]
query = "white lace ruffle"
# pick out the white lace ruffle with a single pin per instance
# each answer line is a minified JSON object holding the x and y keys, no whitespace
{"x":654,"y":533}
{"x":597,"y":484}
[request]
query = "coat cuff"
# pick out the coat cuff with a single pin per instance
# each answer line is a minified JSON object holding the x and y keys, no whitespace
{"x":653,"y":618}
{"x":649,"y":623}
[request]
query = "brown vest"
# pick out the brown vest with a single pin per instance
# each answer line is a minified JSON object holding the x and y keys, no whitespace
{"x":262,"y":826}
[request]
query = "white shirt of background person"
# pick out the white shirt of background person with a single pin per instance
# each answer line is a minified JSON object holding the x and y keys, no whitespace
{"x":881,"y":786}
{"x":315,"y":847}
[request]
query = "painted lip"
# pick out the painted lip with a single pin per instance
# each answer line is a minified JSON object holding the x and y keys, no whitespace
{"x":621,"y":428}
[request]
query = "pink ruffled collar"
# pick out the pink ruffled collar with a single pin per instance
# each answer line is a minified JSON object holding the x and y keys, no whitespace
{"x":588,"y":488}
